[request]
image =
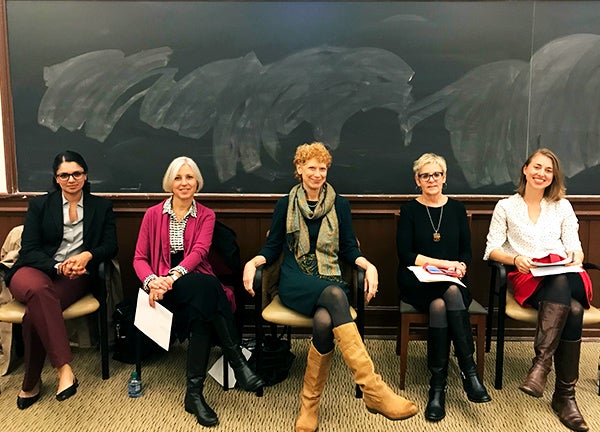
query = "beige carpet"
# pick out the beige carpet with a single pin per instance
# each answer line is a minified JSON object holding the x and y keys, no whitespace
{"x":104,"y":405}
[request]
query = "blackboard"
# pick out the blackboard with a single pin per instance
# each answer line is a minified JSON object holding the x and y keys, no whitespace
{"x":238,"y":85}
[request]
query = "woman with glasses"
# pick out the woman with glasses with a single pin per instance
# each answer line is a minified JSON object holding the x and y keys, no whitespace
{"x":433,"y":230}
{"x":66,"y":234}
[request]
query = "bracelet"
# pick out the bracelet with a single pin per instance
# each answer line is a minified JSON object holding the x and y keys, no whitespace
{"x":515,"y":260}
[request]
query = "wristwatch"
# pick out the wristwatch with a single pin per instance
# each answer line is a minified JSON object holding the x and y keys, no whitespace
{"x":174,"y":276}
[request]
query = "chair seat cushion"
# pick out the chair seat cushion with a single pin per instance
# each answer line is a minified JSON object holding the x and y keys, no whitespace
{"x":475,"y":308}
{"x":277,"y":313}
{"x":13,"y":311}
{"x":529,"y":314}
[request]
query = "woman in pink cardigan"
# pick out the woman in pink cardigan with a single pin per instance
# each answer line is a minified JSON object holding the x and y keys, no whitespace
{"x":171,"y":260}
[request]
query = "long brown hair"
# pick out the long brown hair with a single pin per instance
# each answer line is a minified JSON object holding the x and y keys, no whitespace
{"x":555,"y":190}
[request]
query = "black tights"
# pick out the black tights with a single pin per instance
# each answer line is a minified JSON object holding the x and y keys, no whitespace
{"x":452,"y":300}
{"x":566,"y":289}
{"x":332,"y":310}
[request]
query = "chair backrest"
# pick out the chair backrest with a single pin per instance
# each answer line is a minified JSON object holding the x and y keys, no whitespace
{"x":224,"y":258}
{"x":224,"y":253}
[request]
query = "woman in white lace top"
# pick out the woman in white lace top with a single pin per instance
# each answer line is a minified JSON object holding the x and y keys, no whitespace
{"x":535,"y":225}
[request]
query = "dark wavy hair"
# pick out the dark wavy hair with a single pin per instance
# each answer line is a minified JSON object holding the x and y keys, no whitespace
{"x":69,"y":156}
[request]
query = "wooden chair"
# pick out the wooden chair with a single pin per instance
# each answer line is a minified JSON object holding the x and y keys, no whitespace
{"x":413,"y":325}
{"x":508,"y":307}
{"x":13,"y":311}
{"x":270,"y":309}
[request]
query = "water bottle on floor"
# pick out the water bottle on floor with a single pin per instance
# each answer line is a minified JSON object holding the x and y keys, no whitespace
{"x":134,"y":387}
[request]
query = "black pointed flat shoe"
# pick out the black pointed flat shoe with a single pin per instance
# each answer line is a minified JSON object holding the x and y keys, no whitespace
{"x":68,"y":392}
{"x":26,"y":402}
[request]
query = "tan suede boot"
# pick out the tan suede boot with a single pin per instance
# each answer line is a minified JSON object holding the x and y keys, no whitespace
{"x":315,"y":377}
{"x":378,"y":397}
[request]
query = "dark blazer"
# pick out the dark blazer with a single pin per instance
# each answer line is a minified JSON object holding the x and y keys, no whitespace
{"x":43,"y":232}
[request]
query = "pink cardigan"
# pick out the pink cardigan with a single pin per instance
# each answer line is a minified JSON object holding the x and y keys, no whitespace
{"x":152,"y":250}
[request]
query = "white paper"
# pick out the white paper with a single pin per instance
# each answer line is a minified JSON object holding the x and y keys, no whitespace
{"x":216,"y":371}
{"x":424,"y":276}
{"x":546,"y":271}
{"x":155,"y":322}
{"x":567,"y":260}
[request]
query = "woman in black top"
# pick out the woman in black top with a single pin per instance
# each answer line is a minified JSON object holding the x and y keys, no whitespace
{"x":312,"y":227}
{"x":433,"y":229}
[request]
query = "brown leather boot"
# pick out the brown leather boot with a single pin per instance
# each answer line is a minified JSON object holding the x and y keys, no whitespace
{"x":566,"y":361}
{"x":550,"y":324}
{"x":378,"y":397}
{"x":315,"y":377}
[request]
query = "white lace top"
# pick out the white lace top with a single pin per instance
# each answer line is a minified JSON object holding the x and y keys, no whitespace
{"x":556,"y":230}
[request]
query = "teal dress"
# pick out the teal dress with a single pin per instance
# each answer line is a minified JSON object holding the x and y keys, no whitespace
{"x":298,"y":290}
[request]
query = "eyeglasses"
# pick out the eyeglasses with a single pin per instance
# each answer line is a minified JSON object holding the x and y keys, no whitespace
{"x":427,"y":176}
{"x":65,"y":176}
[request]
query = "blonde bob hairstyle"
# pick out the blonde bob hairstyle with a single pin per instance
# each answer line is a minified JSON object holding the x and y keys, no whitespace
{"x":427,"y":158}
{"x":555,"y":190}
{"x":306,"y":152}
{"x":174,"y":168}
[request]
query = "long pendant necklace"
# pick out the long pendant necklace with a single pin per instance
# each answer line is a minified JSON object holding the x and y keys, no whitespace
{"x":436,"y":235}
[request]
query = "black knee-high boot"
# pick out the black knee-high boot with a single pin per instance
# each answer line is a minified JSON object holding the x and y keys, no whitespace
{"x":228,"y":338}
{"x":459,"y":325}
{"x":438,"y":351}
{"x":197,"y":364}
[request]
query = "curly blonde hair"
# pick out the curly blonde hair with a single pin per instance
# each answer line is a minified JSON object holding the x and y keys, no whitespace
{"x":306,"y":152}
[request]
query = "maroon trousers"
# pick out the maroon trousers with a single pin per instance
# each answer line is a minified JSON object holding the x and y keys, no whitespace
{"x":44,"y":330}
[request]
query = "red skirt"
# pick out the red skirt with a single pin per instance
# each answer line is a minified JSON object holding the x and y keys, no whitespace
{"x":525,"y":285}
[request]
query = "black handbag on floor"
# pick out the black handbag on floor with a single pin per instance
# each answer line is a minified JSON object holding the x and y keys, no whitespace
{"x":275,"y":360}
{"x":123,"y":319}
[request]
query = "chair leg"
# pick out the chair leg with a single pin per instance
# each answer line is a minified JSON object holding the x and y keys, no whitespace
{"x":480,"y":335}
{"x":104,"y":339}
{"x":405,"y":331}
{"x":500,"y":343}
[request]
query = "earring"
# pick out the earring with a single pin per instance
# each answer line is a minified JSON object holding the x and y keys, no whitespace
{"x":444,"y":186}
{"x":418,"y":189}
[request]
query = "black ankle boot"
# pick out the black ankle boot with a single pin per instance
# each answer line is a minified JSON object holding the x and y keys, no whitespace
{"x":197,"y":364}
{"x":438,"y":350}
{"x":246,"y":378}
{"x":460,"y":332}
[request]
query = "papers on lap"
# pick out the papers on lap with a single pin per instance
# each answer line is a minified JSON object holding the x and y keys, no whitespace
{"x":155,"y":322}
{"x":555,"y":269}
{"x":567,"y":260}
{"x":424,"y":276}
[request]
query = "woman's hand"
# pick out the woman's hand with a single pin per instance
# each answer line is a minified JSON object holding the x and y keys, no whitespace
{"x":371,"y":282}
{"x":158,"y":288}
{"x":75,"y":266}
{"x":250,"y":272}
{"x":248,"y":277}
{"x":523,"y":263}
{"x":577,"y":258}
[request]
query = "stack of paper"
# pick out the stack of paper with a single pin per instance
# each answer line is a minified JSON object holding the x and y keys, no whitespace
{"x":424,"y":276}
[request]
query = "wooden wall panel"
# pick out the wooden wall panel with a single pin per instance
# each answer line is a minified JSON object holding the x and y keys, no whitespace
{"x":374,"y":224}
